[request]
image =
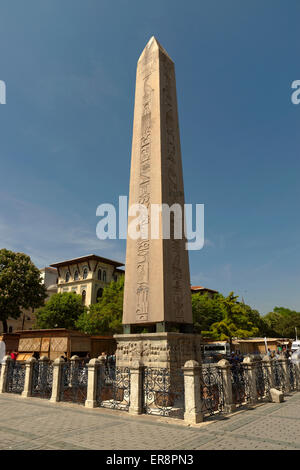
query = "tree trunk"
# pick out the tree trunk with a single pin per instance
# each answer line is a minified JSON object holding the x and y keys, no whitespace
{"x":5,"y":328}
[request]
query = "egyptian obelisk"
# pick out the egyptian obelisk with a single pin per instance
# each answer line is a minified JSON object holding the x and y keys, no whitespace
{"x":157,"y":296}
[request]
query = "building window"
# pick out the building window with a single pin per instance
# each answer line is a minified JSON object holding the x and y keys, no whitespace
{"x":99,"y":274}
{"x":67,"y":276}
{"x":83,"y":295}
{"x":115,"y":277}
{"x":10,"y":329}
{"x":99,"y":294}
{"x":76,"y":276}
{"x":104,"y":276}
{"x":85,"y":273}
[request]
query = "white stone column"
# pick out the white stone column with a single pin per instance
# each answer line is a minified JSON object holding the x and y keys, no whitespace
{"x":7,"y":360}
{"x":74,"y":363}
{"x":136,"y":389}
{"x":27,"y":392}
{"x":56,"y":385}
{"x":224,"y":366}
{"x":249,"y":365}
{"x":93,"y":370}
{"x":192,"y":392}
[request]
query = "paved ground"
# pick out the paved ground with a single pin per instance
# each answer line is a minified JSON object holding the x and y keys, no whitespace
{"x":32,"y":423}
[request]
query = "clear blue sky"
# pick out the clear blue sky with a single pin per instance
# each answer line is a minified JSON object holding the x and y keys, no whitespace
{"x":65,"y":132}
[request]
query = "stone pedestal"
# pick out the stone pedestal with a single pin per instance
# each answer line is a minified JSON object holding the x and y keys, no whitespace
{"x":27,"y":392}
{"x":91,"y":399}
{"x":158,"y":350}
{"x":192,"y":392}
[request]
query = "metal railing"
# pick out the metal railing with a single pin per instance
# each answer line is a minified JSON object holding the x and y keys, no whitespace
{"x":156,"y":391}
{"x":212,"y":390}
{"x":163,"y":392}
{"x":113,"y":387}
{"x":42,"y":378}
{"x":74,"y":378}
{"x":240,"y":384}
{"x":16,"y":377}
{"x":279,"y":375}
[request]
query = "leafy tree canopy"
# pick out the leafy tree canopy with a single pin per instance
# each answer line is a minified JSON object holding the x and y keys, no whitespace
{"x":233,"y":319}
{"x":283,"y":321}
{"x":206,"y":311}
{"x":61,"y":311}
{"x":105,"y":317}
{"x":20,"y":285}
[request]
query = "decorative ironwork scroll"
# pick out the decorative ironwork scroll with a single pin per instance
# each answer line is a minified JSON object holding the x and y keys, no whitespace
{"x":294,"y":377}
{"x":163,"y":392}
{"x":113,"y":387}
{"x":42,"y":378}
{"x":240,"y":384}
{"x":279,"y":375}
{"x":16,"y":377}
{"x":74,"y":377}
{"x":212,"y":390}
{"x":262,"y":381}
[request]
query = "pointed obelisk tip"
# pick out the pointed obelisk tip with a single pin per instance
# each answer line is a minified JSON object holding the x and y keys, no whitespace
{"x":154,"y":43}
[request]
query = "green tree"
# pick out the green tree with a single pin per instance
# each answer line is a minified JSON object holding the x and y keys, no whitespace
{"x":238,"y":321}
{"x":20,"y":285}
{"x":206,"y":311}
{"x":283,"y":321}
{"x":105,"y":317}
{"x":61,"y":311}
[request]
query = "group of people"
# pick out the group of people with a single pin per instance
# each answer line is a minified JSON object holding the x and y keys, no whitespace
{"x":235,"y":358}
{"x":281,"y":351}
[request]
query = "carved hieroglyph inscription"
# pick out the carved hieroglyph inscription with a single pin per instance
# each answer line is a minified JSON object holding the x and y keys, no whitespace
{"x":174,"y":194}
{"x":143,"y":245}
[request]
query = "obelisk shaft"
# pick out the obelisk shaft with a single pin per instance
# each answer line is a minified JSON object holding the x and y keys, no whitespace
{"x":157,"y":280}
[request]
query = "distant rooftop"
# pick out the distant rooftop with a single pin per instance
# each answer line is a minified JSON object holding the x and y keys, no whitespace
{"x":53,"y":270}
{"x":86,"y":258}
{"x":198,"y":288}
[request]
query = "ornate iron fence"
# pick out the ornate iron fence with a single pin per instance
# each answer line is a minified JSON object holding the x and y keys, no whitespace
{"x":42,"y":378}
{"x":293,"y":372}
{"x":279,"y":375}
{"x":240,"y":384}
{"x":74,"y":377}
{"x":262,"y":381}
{"x":212,"y":390}
{"x":113,"y":387}
{"x":163,"y":392}
{"x":15,"y":377}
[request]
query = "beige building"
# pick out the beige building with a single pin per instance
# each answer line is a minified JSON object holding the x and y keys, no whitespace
{"x":87,"y":276}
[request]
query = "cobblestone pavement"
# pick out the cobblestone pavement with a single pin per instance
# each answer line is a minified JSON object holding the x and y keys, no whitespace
{"x":32,"y":423}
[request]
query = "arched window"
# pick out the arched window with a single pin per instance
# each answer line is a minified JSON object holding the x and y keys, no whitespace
{"x":85,"y":273}
{"x":76,"y":276}
{"x":99,"y":274}
{"x":83,"y":296}
{"x":104,"y":276}
{"x":99,"y":294}
{"x":67,"y":276}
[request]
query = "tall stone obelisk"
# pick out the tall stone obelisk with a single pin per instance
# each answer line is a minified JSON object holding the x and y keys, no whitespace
{"x":157,"y":294}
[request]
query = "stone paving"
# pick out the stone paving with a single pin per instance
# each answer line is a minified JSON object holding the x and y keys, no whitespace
{"x":33,"y":423}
